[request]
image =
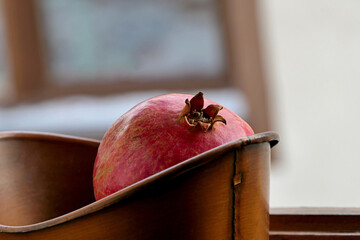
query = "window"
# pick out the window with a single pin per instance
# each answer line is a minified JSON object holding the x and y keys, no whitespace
{"x":142,"y":40}
{"x":61,"y":47}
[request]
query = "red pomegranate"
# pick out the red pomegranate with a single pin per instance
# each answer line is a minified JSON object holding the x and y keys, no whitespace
{"x":159,"y":133}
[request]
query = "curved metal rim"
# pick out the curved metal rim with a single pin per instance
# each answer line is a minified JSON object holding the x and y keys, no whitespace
{"x":191,"y":163}
{"x":44,"y":136}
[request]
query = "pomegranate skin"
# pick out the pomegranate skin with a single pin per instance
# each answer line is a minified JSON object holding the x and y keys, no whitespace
{"x":151,"y":137}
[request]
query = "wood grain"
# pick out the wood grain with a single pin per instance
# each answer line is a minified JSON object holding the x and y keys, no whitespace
{"x":314,"y":223}
{"x":313,"y":236}
{"x":315,"y":219}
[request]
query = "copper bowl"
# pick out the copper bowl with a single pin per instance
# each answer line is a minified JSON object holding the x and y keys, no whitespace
{"x":46,"y":192}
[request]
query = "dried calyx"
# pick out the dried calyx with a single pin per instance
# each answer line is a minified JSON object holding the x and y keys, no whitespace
{"x":196,"y":116}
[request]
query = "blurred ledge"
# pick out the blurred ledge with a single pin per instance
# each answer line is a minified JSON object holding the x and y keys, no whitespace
{"x":109,"y":86}
{"x":315,"y":211}
{"x":90,"y":116}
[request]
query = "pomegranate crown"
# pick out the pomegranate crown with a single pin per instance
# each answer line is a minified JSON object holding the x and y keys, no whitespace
{"x":195,"y":116}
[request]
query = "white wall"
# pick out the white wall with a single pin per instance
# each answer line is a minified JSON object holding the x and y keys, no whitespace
{"x":313,"y":58}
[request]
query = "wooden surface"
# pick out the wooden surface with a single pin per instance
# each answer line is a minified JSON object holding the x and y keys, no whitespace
{"x":220,"y":194}
{"x":313,"y":236}
{"x":314,"y":223}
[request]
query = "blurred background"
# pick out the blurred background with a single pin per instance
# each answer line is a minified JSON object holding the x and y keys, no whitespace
{"x":74,"y":67}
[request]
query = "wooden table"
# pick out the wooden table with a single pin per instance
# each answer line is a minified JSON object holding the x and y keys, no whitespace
{"x":314,"y":223}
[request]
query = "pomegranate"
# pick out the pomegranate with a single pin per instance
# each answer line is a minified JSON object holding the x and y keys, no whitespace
{"x":159,"y":133}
